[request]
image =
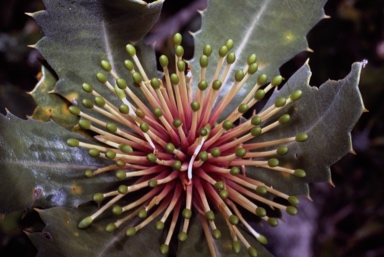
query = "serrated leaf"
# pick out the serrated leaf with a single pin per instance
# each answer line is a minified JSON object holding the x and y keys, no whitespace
{"x":273,"y":30}
{"x":61,"y":237}
{"x":327,"y":114}
{"x":37,"y":168}
{"x":51,"y":106}
{"x":79,"y":34}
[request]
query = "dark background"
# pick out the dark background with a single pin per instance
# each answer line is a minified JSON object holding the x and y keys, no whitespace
{"x":347,"y":220}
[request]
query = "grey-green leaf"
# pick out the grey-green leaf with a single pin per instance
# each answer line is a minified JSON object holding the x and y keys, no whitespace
{"x":327,"y":114}
{"x":274,"y":30}
{"x":80,"y":34}
{"x":61,"y":237}
{"x":37,"y":168}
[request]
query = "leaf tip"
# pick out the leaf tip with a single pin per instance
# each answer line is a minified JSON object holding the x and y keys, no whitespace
{"x":309,"y":50}
{"x":326,"y":16}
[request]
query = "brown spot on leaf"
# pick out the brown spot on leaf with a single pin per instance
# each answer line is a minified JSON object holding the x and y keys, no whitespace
{"x":76,"y":190}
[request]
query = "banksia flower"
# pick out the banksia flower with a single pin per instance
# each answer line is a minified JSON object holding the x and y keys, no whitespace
{"x":176,"y":158}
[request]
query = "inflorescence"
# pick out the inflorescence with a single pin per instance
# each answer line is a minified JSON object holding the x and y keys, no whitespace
{"x":184,"y":160}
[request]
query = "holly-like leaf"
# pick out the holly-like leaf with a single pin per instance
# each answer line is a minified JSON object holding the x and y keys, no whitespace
{"x":51,"y":106}
{"x":327,"y":114}
{"x":39,"y":169}
{"x":61,"y":237}
{"x":79,"y":34}
{"x":273,"y":30}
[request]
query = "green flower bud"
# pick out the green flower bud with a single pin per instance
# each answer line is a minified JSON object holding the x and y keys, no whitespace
{"x":181,"y":66}
{"x":216,"y":234}
{"x":151,"y":157}
{"x":231,"y":58}
{"x":252,"y":59}
{"x":129,"y":65}
{"x":120,"y":174}
{"x":179,"y":51}
{"x":98,"y":197}
{"x":174,"y":79}
{"x":236,"y":246}
{"x":111,"y":127}
{"x":219,"y":185}
{"x":87,"y":87}
{"x":252,"y":251}
{"x":163,"y":61}
{"x":177,"y":38}
{"x":164,"y":249}
{"x":105,"y":65}
{"x":152,"y":183}
{"x":273,"y":162}
{"x":130,"y":232}
{"x":74,"y":110}
{"x":234,"y":170}
{"x":203,"y":156}
{"x":73,"y":142}
{"x":209,"y":215}
{"x":182,"y":236}
{"x":223,"y":51}
{"x":122,"y":189}
{"x":125,"y":148}
{"x":101,"y":77}
{"x":203,"y":85}
{"x":117,"y":210}
{"x":229,"y":44}
{"x":155,"y":83}
{"x":203,"y":61}
{"x":239,"y":75}
{"x":276,"y":80}
{"x":159,"y":225}
{"x":110,"y":227}
{"x":291,"y":210}
{"x":233,"y":219}
{"x":87,"y":103}
{"x":94,"y":152}
{"x":130,"y":50}
{"x":207,"y":50}
{"x":187,"y":213}
{"x":86,"y":222}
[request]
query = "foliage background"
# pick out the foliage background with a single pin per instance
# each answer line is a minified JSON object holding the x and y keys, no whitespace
{"x":347,"y":220}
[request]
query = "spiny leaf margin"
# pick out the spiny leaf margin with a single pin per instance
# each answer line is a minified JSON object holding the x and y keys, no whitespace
{"x":273,"y":30}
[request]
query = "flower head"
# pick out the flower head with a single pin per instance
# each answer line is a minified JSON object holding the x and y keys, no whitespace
{"x":177,"y":153}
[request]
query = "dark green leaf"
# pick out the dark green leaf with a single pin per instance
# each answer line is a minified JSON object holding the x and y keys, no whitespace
{"x":79,"y":34}
{"x":61,"y":237}
{"x":37,"y":168}
{"x":327,"y":114}
{"x":273,"y":30}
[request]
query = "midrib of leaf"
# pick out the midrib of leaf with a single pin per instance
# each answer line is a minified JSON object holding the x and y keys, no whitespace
{"x":107,"y":46}
{"x":248,"y":33}
{"x":48,"y":165}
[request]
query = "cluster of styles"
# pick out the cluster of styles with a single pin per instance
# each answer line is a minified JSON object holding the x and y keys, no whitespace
{"x":181,"y":159}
